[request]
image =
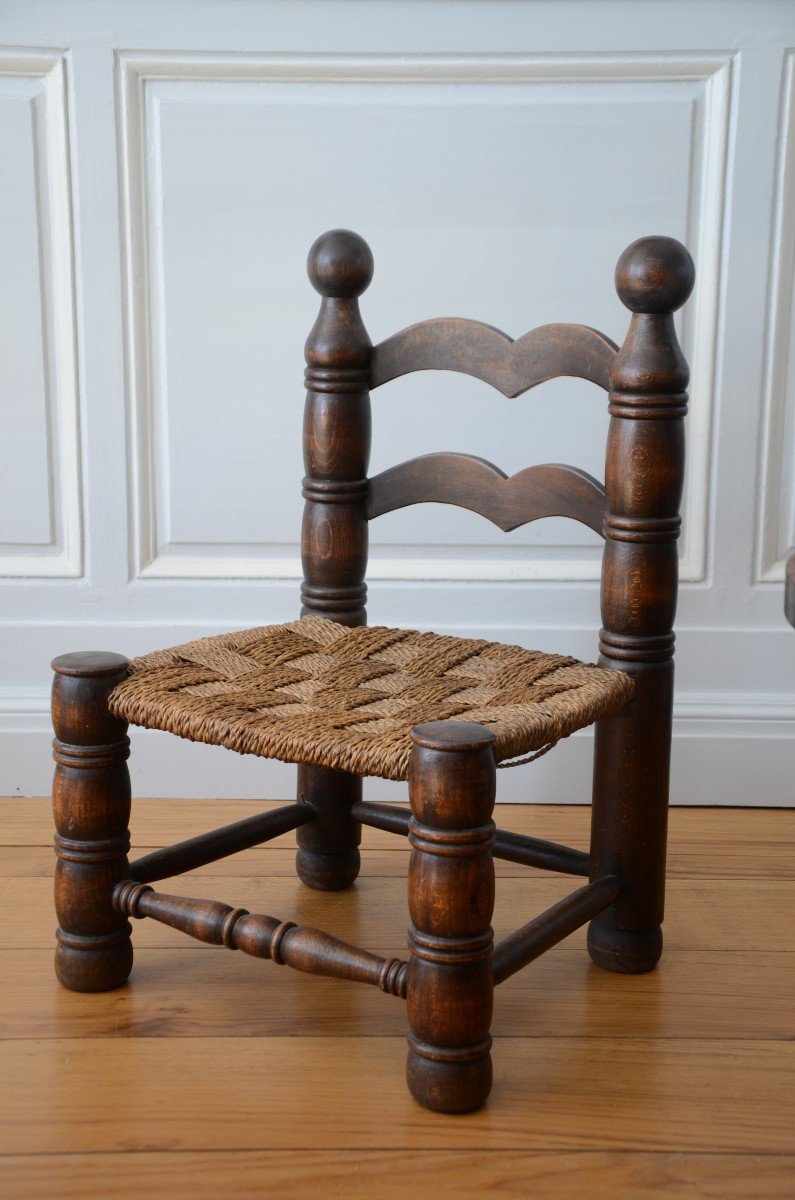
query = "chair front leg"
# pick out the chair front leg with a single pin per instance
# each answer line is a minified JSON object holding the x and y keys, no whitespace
{"x":451,"y":899}
{"x":91,"y":805}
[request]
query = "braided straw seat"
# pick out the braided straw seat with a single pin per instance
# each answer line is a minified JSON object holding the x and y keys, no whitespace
{"x":314,"y":691}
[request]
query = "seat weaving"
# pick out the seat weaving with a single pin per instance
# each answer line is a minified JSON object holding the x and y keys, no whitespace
{"x":314,"y":691}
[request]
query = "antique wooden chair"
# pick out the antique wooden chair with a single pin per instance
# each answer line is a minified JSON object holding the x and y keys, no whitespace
{"x":345,"y":701}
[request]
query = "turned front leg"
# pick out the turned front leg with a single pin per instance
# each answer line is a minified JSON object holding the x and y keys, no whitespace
{"x":451,"y":899}
{"x":91,"y":805}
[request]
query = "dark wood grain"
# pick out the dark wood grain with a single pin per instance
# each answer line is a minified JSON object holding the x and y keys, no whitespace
{"x":219,"y":843}
{"x":328,"y":848}
{"x":334,"y":534}
{"x":536,"y":852}
{"x":452,"y":779}
{"x":449,"y":981}
{"x":643,"y":479}
{"x":261,"y":936}
{"x":551,"y":490}
{"x":512,"y":367}
{"x":91,"y":806}
{"x":337,"y":432}
{"x":513,"y":847}
{"x":552,"y":926}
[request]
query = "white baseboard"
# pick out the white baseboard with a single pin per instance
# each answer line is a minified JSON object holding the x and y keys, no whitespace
{"x":729,"y":749}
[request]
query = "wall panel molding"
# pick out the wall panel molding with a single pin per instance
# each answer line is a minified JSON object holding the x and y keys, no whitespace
{"x":162,"y":180}
{"x":39,"y":79}
{"x":776,"y":473}
{"x":151,"y":557}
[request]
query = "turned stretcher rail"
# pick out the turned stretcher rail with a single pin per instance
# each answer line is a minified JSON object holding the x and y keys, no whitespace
{"x":514,"y":847}
{"x":284,"y":942}
{"x":551,"y":926}
{"x":219,"y":843}
{"x":535,"y":852}
{"x":392,"y":818}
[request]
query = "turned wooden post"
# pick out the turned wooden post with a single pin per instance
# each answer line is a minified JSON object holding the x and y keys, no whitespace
{"x":297,"y":946}
{"x":334,"y":536}
{"x":91,"y":805}
{"x":452,"y":775}
{"x":643,"y":481}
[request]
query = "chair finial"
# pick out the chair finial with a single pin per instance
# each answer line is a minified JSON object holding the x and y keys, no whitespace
{"x":655,"y":275}
{"x":340,"y":264}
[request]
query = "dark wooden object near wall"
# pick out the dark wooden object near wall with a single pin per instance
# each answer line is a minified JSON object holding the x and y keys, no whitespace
{"x":91,"y":806}
{"x":512,"y":367}
{"x":789,"y":590}
{"x":452,"y":781}
{"x":449,"y":981}
{"x":283,"y":942}
{"x":468,"y":482}
{"x":644,"y":474}
{"x":334,"y":537}
{"x":514,"y":847}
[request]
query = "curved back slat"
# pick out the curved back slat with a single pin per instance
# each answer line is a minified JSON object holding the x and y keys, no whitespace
{"x":458,"y":344}
{"x":552,"y":490}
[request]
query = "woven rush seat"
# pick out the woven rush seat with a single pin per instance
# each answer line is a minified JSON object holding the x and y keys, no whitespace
{"x":314,"y":691}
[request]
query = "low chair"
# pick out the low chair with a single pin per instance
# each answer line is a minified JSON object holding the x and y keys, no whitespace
{"x":344,"y":701}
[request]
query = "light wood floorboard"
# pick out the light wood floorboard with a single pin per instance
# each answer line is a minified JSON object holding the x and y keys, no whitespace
{"x":394,"y":1174}
{"x":211,"y":1075}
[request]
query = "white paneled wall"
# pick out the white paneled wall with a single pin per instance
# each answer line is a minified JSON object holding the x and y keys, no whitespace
{"x":40,"y":535}
{"x":167,"y":165}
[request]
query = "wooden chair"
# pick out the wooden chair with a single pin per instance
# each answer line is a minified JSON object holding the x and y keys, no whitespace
{"x":343,"y":700}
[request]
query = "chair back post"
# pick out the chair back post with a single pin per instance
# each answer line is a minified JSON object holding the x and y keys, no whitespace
{"x":337,"y":433}
{"x":643,"y":483}
{"x":334,"y":534}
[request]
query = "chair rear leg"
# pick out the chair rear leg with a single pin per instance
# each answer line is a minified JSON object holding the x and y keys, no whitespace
{"x":644,"y":473}
{"x":335,"y":529}
{"x":91,"y":805}
{"x":328,"y":848}
{"x":451,"y":899}
{"x":630,"y":822}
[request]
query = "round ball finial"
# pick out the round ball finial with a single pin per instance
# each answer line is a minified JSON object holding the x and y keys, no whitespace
{"x":340,"y":264}
{"x":655,"y":275}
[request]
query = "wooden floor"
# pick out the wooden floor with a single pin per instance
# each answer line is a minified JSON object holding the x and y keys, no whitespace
{"x":212,"y":1075}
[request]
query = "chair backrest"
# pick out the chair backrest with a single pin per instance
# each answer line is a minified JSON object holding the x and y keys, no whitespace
{"x":637,"y":508}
